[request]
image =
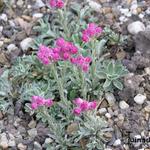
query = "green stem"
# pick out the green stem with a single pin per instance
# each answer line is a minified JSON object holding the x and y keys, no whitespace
{"x":59,"y":84}
{"x":93,"y":67}
{"x":63,"y":22}
{"x":83,"y":84}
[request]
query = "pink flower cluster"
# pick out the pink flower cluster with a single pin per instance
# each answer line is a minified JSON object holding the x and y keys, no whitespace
{"x":56,"y":3}
{"x":63,"y":51}
{"x":83,"y":105}
{"x":91,"y":31}
{"x":38,"y":101}
{"x":81,"y":62}
{"x":46,"y":55}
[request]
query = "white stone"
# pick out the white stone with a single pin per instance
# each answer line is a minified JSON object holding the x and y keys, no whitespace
{"x":141,"y":16}
{"x":3,"y":17}
{"x":107,"y":115}
{"x":148,"y":11}
{"x":129,"y":14}
{"x":117,"y":142}
{"x":102,"y":110}
{"x":39,"y":4}
{"x":11,"y":47}
{"x":123,"y":19}
{"x":1,"y":28}
{"x":136,"y":27}
{"x":1,"y":43}
{"x":95,"y":5}
{"x":124,"y":10}
{"x":139,"y":99}
{"x":20,"y":3}
{"x":26,"y":43}
{"x":12,"y":24}
{"x":110,"y":98}
{"x":38,"y":15}
{"x":147,"y":70}
{"x":123,"y":105}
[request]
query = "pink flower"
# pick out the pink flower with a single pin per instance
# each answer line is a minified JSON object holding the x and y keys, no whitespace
{"x":84,"y":106}
{"x":85,"y":67}
{"x":34,"y":106}
{"x":92,"y":105}
{"x":91,"y":31}
{"x":44,"y":54}
{"x":66,"y":56}
{"x":82,"y":62}
{"x":60,"y":4}
{"x":38,"y":101}
{"x":77,"y":111}
{"x":48,"y":102}
{"x":78,"y":101}
{"x":56,"y":3}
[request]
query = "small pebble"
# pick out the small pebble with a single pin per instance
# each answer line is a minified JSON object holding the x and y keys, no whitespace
{"x":123,"y":105}
{"x":3,"y":17}
{"x":1,"y":43}
{"x":102,"y":110}
{"x":21,"y":146}
{"x":107,"y":115}
{"x":110,"y":98}
{"x":117,"y":142}
{"x":11,"y":47}
{"x":37,"y":15}
{"x":139,"y":99}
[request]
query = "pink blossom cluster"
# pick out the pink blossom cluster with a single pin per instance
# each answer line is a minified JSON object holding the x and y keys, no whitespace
{"x":46,"y":55}
{"x":56,"y":3}
{"x":63,"y":51}
{"x":38,"y":101}
{"x":82,"y":62}
{"x":83,"y":105}
{"x":91,"y":31}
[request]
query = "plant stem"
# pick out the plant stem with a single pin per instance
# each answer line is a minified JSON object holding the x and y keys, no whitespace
{"x":59,"y":84}
{"x":63,"y":21}
{"x":83,"y":84}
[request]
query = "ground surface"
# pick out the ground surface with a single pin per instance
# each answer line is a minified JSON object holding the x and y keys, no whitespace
{"x":127,"y":117}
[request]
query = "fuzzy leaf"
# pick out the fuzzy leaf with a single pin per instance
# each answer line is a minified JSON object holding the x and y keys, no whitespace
{"x":118,"y":84}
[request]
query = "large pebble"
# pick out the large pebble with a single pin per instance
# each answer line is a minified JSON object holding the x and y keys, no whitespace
{"x":3,"y":141}
{"x":37,"y":15}
{"x":139,"y":99}
{"x":123,"y":105}
{"x":32,"y":132}
{"x":26,"y":43}
{"x":136,"y":27}
{"x":95,"y":5}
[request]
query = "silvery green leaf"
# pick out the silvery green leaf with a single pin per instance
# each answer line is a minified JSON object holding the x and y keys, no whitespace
{"x":106,"y":84}
{"x":118,"y":84}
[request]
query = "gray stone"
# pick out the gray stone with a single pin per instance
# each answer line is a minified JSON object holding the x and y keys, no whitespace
{"x":37,"y":146}
{"x":32,"y":124}
{"x":110,"y":98}
{"x":32,"y":132}
{"x":3,"y":141}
